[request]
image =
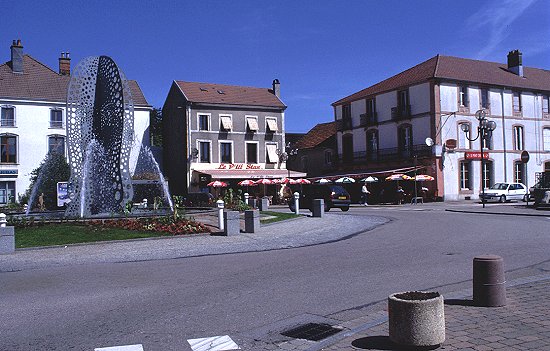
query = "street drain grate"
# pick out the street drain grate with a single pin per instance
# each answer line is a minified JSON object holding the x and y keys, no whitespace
{"x":312,"y":331}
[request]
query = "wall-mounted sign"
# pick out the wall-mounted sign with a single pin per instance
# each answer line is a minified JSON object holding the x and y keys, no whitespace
{"x":8,"y":172}
{"x":475,"y":155}
{"x":450,"y":144}
{"x":242,"y":166}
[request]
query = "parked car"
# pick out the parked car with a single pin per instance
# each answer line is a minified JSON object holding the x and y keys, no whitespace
{"x":505,"y":191}
{"x":334,"y":196}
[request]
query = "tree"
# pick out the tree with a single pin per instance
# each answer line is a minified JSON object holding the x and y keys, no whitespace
{"x":53,"y":169}
{"x":155,"y":127}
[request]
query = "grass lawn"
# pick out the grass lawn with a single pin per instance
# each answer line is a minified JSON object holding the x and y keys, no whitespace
{"x":278,"y":216}
{"x":63,"y":234}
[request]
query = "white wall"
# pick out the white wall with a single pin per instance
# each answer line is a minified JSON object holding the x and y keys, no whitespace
{"x":419,"y":96}
{"x":448,"y":96}
{"x":384,"y":104}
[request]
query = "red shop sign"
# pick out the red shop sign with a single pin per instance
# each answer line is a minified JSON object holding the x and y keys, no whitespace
{"x":475,"y":155}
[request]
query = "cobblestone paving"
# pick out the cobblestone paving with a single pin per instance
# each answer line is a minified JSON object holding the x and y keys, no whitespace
{"x":524,"y":324}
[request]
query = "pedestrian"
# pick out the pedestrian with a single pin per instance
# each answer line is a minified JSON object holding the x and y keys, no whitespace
{"x":400,"y":195}
{"x":364,"y":194}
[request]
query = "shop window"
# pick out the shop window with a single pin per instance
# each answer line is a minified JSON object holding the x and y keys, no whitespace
{"x":465,"y":172}
{"x":7,"y":192}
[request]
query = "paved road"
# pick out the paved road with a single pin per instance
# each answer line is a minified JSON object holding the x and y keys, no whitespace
{"x":254,"y":296}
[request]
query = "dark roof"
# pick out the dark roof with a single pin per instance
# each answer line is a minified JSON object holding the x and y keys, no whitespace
{"x":229,"y":94}
{"x":459,"y":69}
{"x":317,"y":135}
{"x":41,"y":83}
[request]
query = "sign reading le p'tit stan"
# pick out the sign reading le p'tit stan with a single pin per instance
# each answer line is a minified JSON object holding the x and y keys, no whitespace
{"x":241,"y":166}
{"x":475,"y":155}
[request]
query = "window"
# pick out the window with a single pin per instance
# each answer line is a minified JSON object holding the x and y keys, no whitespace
{"x":465,"y":171}
{"x":347,"y":148}
{"x":463,"y":142}
{"x":204,"y":122}
{"x":545,"y":104}
{"x":226,"y":152}
{"x":251,"y":153}
{"x":518,"y":138}
{"x":204,"y":151}
{"x":7,"y":192}
{"x":484,"y":98}
{"x":519,"y":172}
{"x":546,"y":139}
{"x":371,"y":109}
{"x":463,"y":96}
{"x":56,"y":143}
{"x":346,"y":111}
{"x":56,"y":118}
{"x":8,"y":148}
{"x":516,"y":101}
{"x":7,"y":118}
{"x":372,"y":145}
{"x":252,"y":124}
{"x":271,"y":125}
{"x":328,"y":157}
{"x":226,"y":123}
{"x":404,"y":140}
{"x":547,"y":166}
{"x":487,"y":174}
{"x":403,"y":103}
{"x":271,"y":153}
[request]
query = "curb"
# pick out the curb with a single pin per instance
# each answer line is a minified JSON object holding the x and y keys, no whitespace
{"x":499,"y":213}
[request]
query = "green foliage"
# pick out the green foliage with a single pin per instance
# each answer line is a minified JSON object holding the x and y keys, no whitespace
{"x":235,"y":201}
{"x":155,"y":127}
{"x":179,"y":207}
{"x":53,"y":169}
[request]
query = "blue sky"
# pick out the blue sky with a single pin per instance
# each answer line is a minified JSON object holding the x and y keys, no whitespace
{"x":320,"y":50}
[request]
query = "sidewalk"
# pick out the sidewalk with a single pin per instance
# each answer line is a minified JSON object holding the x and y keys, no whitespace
{"x":524,"y":324}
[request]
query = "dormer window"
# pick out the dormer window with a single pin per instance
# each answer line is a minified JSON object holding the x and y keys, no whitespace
{"x":252,"y":124}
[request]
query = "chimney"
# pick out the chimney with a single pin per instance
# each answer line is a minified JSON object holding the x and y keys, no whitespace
{"x":17,"y":56}
{"x":515,"y":63}
{"x":277,"y":88}
{"x":65,"y":64}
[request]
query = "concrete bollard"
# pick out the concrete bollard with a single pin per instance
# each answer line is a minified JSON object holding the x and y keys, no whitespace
{"x":264,"y":204}
{"x":7,"y":237}
{"x":232,"y":223}
{"x":318,"y":209}
{"x":220,"y":204}
{"x":489,"y":283}
{"x":297,"y":203}
{"x":251,"y":221}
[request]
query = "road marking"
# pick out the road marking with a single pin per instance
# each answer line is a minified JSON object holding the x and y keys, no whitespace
{"x":215,"y":343}
{"x":137,"y":347}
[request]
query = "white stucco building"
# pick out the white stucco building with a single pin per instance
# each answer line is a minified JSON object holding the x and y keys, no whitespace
{"x":383,"y":128}
{"x":33,"y":119}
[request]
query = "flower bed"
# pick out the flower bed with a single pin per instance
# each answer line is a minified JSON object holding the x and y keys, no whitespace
{"x":169,"y":225}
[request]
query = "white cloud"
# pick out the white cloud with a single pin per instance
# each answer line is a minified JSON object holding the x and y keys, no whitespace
{"x":497,"y":17}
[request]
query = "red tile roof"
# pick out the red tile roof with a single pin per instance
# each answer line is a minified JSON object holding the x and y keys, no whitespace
{"x":41,"y":83}
{"x":458,"y":69}
{"x":230,"y":94}
{"x":317,"y":135}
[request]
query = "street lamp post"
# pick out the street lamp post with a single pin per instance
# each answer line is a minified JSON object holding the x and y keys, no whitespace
{"x":285,"y":156}
{"x":484,"y":133}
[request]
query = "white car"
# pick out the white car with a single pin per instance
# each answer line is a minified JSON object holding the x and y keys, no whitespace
{"x":505,"y":191}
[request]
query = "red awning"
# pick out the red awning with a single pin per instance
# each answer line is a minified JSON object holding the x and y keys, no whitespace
{"x":250,"y":173}
{"x":363,"y":174}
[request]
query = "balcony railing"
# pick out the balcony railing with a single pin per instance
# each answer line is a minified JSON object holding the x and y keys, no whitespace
{"x":345,"y":124}
{"x":390,"y":154}
{"x":401,"y":112}
{"x":369,"y":119}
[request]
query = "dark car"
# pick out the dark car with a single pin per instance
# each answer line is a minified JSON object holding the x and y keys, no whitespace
{"x":333,"y":196}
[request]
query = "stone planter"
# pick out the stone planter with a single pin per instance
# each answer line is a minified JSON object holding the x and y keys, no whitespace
{"x":416,"y":318}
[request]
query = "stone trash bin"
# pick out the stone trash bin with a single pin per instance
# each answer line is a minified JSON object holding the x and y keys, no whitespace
{"x":416,"y":318}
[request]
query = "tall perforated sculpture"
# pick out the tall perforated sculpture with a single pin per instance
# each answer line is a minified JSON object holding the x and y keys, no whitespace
{"x":100,"y":129}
